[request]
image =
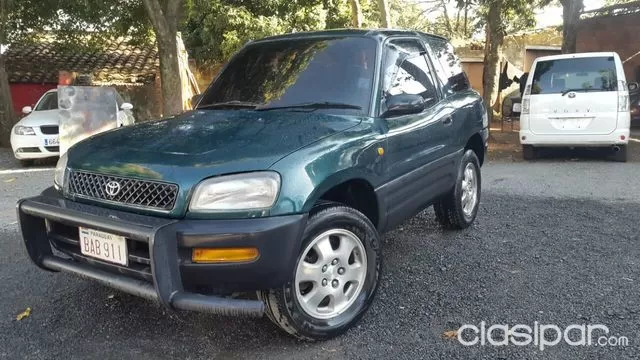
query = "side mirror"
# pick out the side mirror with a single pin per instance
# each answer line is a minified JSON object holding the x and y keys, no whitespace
{"x":195,"y":99}
{"x":126,"y":106}
{"x":633,"y":86}
{"x":404,"y":104}
{"x":27,"y":110}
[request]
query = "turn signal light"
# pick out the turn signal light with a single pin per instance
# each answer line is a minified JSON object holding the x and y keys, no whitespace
{"x":223,"y":255}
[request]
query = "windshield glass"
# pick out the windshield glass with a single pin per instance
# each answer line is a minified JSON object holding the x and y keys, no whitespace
{"x":48,"y":102}
{"x":577,"y":74}
{"x":302,"y":71}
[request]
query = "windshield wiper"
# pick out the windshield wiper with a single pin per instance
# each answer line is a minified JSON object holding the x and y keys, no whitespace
{"x":575,"y":90}
{"x":230,"y":104}
{"x":314,"y":105}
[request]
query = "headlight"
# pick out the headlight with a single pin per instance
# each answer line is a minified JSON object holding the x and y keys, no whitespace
{"x":61,"y":168}
{"x":23,"y":130}
{"x":249,"y":191}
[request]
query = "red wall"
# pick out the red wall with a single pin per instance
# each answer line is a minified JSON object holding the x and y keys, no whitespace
{"x":27,"y":94}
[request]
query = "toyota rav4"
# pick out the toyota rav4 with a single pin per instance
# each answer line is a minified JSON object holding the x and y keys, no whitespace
{"x":303,"y":151}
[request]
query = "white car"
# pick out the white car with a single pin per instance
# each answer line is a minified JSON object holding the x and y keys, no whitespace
{"x":576,"y":100}
{"x":35,"y":136}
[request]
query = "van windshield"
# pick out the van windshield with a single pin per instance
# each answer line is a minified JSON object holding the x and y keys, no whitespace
{"x":577,"y":74}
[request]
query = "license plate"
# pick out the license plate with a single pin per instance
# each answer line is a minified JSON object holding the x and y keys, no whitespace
{"x":51,"y":142}
{"x":103,"y":246}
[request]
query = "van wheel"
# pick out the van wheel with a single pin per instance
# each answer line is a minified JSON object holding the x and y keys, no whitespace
{"x":528,"y":152}
{"x":459,"y":208}
{"x":621,"y":155}
{"x":335,"y":277}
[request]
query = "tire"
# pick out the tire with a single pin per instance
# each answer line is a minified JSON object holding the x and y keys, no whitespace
{"x":286,"y":306}
{"x":26,"y":163}
{"x":528,"y":152}
{"x":450,"y":210}
{"x":621,"y":155}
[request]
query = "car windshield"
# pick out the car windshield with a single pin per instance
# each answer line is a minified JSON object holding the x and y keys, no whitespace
{"x":48,"y":102}
{"x":336,"y":74}
{"x":577,"y":74}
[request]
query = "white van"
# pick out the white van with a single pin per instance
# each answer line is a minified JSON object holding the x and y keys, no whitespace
{"x":576,"y":100}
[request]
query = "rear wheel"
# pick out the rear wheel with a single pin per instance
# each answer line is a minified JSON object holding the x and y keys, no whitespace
{"x":528,"y":152}
{"x":459,"y":208}
{"x":335,"y":278}
{"x":621,"y":155}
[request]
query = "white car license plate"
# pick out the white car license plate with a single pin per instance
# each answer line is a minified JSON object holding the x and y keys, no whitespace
{"x":103,"y":246}
{"x":51,"y":142}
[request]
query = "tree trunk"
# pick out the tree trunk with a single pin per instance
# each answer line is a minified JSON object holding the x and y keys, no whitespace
{"x":466,"y":19}
{"x":570,"y":17}
{"x":170,"y":80}
{"x":492,"y":54}
{"x":165,"y":24}
{"x":356,"y":13}
{"x":7,"y":114}
{"x":385,"y":16}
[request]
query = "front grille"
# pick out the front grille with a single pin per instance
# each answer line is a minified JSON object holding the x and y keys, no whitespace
{"x":52,"y":148}
{"x":145,"y":193}
{"x":49,"y":129}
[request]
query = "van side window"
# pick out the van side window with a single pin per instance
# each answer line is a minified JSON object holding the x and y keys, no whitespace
{"x":407,"y":72}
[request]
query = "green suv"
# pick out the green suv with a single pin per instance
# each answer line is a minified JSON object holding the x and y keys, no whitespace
{"x":302,"y":152}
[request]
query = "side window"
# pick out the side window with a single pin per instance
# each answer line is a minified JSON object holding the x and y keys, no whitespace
{"x":453,"y":76}
{"x":407,"y":72}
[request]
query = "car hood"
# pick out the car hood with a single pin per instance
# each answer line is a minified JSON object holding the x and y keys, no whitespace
{"x":40,"y":118}
{"x":200,"y":144}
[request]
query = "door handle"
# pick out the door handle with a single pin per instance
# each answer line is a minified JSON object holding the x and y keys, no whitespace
{"x":447,"y":121}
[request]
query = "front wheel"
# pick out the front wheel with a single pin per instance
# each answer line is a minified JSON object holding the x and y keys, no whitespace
{"x":335,"y":278}
{"x":459,"y":208}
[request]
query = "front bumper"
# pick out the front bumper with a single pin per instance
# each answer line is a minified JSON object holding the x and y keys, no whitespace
{"x":164,"y":272}
{"x":32,"y":146}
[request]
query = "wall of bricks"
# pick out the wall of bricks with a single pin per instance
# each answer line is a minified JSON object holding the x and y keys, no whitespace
{"x":613,"y":33}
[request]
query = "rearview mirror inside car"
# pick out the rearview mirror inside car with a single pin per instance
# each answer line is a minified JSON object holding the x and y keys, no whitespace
{"x":403,"y":104}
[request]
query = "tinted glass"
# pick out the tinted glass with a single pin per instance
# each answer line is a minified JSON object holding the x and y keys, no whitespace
{"x":48,"y":102}
{"x":452,"y":75}
{"x":578,"y":74}
{"x":294,"y":72}
{"x":408,"y":72}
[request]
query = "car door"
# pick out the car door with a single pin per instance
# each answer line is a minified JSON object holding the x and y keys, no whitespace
{"x":416,"y":164}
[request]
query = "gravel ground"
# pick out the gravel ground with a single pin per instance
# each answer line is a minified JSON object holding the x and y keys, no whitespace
{"x":555,"y":242}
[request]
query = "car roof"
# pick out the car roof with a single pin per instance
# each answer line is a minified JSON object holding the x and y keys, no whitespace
{"x":578,"y":55}
{"x":372,"y":33}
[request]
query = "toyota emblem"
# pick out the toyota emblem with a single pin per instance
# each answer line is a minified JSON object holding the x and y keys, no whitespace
{"x":112,"y":188}
{"x":572,"y":95}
